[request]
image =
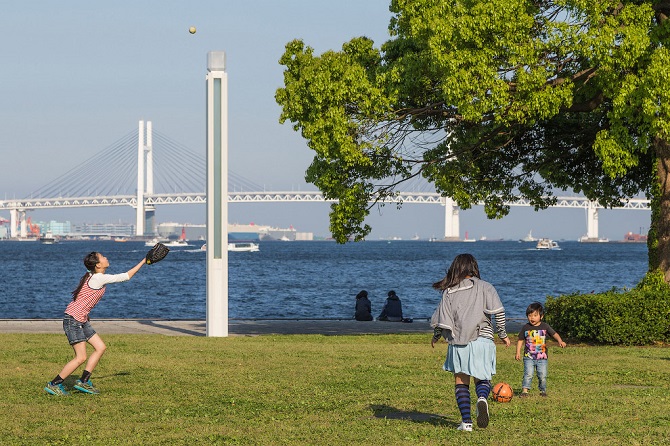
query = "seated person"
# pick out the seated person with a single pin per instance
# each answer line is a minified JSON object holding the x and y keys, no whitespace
{"x":363,"y":307}
{"x":392,"y":311}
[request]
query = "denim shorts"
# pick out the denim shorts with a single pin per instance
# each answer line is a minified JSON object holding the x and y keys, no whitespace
{"x":76,"y":331}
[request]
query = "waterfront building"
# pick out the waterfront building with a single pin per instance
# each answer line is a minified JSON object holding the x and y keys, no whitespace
{"x":56,"y":228}
{"x":103,"y":230}
{"x":236,"y":232}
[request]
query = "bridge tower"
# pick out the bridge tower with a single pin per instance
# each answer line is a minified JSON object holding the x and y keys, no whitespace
{"x":451,"y":220}
{"x":13,"y":219}
{"x":592,"y":221}
{"x":17,"y":217}
{"x":144,"y":221}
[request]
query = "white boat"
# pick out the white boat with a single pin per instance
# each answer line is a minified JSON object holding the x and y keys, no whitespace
{"x":48,"y":238}
{"x":155,"y":240}
{"x":545,"y":243}
{"x":238,"y":247}
{"x":529,"y":237}
{"x":176,"y":243}
{"x":181,"y":241}
{"x":469,"y":240}
{"x":243,"y":247}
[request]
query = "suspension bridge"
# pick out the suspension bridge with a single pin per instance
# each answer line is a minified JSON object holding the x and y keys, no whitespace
{"x":139,"y":170}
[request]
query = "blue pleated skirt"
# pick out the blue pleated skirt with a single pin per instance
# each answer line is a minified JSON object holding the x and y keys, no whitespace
{"x":476,"y":359}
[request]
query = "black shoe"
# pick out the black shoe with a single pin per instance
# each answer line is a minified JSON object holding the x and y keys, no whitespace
{"x":482,"y":412}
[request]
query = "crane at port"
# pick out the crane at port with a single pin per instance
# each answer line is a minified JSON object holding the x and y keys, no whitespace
{"x":33,"y":228}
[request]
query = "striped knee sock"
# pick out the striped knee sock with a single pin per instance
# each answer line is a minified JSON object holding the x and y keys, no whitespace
{"x":483,"y":388}
{"x":463,"y":401}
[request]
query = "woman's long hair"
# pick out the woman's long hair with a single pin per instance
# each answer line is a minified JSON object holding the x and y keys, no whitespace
{"x":89,"y":262}
{"x":464,"y":265}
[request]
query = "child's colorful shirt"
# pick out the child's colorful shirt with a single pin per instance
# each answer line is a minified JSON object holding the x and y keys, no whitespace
{"x":535,"y":337}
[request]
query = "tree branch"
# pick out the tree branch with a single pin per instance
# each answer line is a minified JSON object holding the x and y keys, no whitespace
{"x":587,"y":106}
{"x":662,"y":9}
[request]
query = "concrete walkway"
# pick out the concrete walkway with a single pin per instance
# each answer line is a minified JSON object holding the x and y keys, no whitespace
{"x":235,"y":327}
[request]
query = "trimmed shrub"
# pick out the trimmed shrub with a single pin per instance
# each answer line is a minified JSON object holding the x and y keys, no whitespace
{"x":631,"y":317}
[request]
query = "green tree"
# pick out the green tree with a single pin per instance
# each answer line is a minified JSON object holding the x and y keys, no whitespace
{"x":490,"y":100}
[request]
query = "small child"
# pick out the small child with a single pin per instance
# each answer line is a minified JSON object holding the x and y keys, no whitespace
{"x":533,"y":337}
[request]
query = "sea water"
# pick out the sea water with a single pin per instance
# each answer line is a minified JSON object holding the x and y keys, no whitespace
{"x":306,"y":280}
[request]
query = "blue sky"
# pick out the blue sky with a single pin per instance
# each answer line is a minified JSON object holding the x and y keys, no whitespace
{"x":78,"y":75}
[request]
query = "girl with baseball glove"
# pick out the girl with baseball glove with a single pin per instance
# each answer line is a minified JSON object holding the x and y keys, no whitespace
{"x":77,"y":326}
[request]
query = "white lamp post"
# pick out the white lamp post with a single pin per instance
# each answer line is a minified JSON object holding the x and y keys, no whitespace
{"x":217,"y":195}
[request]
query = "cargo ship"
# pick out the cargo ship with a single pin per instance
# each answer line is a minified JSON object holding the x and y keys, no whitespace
{"x":253,"y":233}
{"x":249,"y":233}
{"x":631,"y":237}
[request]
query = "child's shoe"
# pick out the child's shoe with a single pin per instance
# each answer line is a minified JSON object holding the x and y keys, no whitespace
{"x":523,"y":395}
{"x":56,"y":389}
{"x":482,"y":412}
{"x":544,"y":394}
{"x":465,"y":427}
{"x":86,"y":387}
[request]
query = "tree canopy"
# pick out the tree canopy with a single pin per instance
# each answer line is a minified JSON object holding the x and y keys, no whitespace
{"x":490,"y":100}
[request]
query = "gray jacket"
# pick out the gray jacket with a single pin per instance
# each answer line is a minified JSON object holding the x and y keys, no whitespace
{"x":465,"y":311}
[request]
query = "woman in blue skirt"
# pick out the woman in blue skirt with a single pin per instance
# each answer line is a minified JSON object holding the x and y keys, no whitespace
{"x":464,"y":318}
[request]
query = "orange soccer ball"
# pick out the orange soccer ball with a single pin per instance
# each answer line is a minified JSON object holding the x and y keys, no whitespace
{"x":502,"y":393}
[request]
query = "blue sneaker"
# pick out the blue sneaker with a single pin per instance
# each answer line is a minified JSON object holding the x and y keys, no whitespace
{"x":86,"y":387}
{"x":56,"y":389}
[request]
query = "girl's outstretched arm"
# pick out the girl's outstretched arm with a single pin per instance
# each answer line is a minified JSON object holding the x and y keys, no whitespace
{"x":136,"y":268}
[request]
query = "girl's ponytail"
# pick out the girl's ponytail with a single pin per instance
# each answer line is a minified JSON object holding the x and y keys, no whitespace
{"x":89,"y":262}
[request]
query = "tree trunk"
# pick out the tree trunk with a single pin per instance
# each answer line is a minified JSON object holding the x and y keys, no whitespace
{"x":659,"y":242}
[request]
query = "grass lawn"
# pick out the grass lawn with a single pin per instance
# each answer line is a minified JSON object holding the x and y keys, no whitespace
{"x":321,"y":390}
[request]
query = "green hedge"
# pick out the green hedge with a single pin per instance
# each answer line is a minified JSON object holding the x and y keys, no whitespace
{"x":631,"y":317}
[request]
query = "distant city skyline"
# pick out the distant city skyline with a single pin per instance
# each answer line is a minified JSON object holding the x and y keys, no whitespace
{"x":77,"y":75}
{"x":612,"y":225}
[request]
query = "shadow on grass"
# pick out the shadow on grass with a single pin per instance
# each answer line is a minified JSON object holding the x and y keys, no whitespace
{"x":113,"y":375}
{"x":71,"y":380}
{"x":171,"y":328}
{"x":392,"y":413}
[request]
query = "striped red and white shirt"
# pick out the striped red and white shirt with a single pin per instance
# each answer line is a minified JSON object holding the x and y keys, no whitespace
{"x":91,"y":293}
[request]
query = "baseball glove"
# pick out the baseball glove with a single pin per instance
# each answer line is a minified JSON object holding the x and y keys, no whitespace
{"x":157,"y":253}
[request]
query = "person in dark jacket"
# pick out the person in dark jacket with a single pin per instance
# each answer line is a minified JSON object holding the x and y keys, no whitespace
{"x":363,"y":307}
{"x":392,"y":311}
